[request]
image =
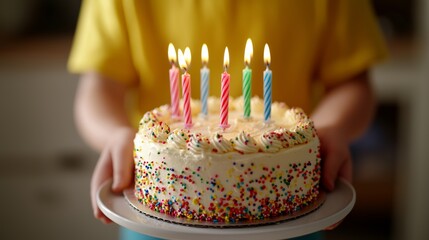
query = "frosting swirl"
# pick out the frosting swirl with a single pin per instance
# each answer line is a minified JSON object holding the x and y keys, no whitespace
{"x":302,"y":134}
{"x":156,"y":131}
{"x":245,"y":143}
{"x":198,"y":143}
{"x":271,"y":142}
{"x":286,"y":137}
{"x":179,"y":138}
{"x":148,"y":117}
{"x":152,"y":129}
{"x":220,"y":144}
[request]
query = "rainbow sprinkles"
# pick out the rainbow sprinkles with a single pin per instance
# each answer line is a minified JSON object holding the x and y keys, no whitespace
{"x":250,"y":171}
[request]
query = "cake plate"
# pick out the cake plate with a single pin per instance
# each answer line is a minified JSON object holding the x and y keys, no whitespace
{"x":336,"y":206}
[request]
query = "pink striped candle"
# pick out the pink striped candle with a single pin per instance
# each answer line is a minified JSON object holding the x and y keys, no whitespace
{"x":225,"y":79}
{"x":174,"y":91}
{"x":186,"y":91}
{"x":184,"y":61}
{"x":174,"y":82}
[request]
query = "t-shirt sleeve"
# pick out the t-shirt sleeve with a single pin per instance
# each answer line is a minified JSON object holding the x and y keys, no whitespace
{"x":101,"y":42}
{"x":352,"y":42}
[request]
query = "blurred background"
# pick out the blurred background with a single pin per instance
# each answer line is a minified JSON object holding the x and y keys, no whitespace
{"x":45,"y":168}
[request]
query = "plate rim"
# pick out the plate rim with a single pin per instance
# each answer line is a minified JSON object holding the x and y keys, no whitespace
{"x":117,"y":208}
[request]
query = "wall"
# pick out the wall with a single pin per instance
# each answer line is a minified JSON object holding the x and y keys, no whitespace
{"x":45,"y":168}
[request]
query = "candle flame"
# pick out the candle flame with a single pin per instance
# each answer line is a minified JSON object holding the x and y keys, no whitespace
{"x":248,"y":51}
{"x":267,"y":55}
{"x":187,"y":55}
{"x":226,"y":58}
{"x":182,"y":62}
{"x":172,"y":53}
{"x":205,"y":54}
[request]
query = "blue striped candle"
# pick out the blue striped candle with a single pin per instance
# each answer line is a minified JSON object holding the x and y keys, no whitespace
{"x":267,"y":84}
{"x":205,"y":73}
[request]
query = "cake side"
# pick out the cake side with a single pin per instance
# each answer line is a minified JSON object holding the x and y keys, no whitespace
{"x":252,"y":170}
{"x":227,"y":187}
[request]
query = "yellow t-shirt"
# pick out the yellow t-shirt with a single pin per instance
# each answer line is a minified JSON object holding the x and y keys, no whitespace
{"x":311,"y":42}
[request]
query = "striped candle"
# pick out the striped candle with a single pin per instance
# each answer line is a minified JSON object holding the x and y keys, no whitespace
{"x":267,"y":84}
{"x":247,"y":78}
{"x":225,"y":79}
{"x":174,"y":82}
{"x":247,"y":90}
{"x":186,"y":91}
{"x":205,"y":73}
{"x":184,"y":61}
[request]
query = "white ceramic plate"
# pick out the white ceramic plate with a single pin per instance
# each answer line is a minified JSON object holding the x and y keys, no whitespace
{"x":337,"y":205}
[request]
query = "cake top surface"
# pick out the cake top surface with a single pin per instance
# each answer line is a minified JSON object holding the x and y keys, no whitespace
{"x":288,"y":127}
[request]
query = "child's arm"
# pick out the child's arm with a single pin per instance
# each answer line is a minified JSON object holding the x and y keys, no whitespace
{"x":101,"y":119}
{"x":342,"y":115}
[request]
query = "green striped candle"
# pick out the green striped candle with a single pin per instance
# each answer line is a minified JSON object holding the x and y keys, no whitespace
{"x":247,"y":78}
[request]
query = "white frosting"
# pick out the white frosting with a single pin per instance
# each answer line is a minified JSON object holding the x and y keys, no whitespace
{"x":254,"y":169}
{"x":287,"y":128}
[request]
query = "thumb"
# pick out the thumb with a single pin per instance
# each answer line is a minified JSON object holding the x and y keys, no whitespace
{"x":346,"y":170}
{"x":102,"y":172}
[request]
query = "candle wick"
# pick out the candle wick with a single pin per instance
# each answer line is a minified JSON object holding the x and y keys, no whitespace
{"x":268,"y":66}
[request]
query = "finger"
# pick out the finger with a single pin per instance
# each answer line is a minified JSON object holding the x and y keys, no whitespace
{"x":123,"y":166}
{"x":346,"y":170}
{"x":333,"y":226}
{"x":102,"y":173}
{"x":331,"y":166}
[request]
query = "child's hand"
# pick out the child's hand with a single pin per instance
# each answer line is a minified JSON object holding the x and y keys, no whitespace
{"x":116,"y":161}
{"x":336,"y":158}
{"x":341,"y":117}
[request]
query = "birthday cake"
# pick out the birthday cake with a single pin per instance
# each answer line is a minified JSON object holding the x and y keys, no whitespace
{"x":251,"y":170}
